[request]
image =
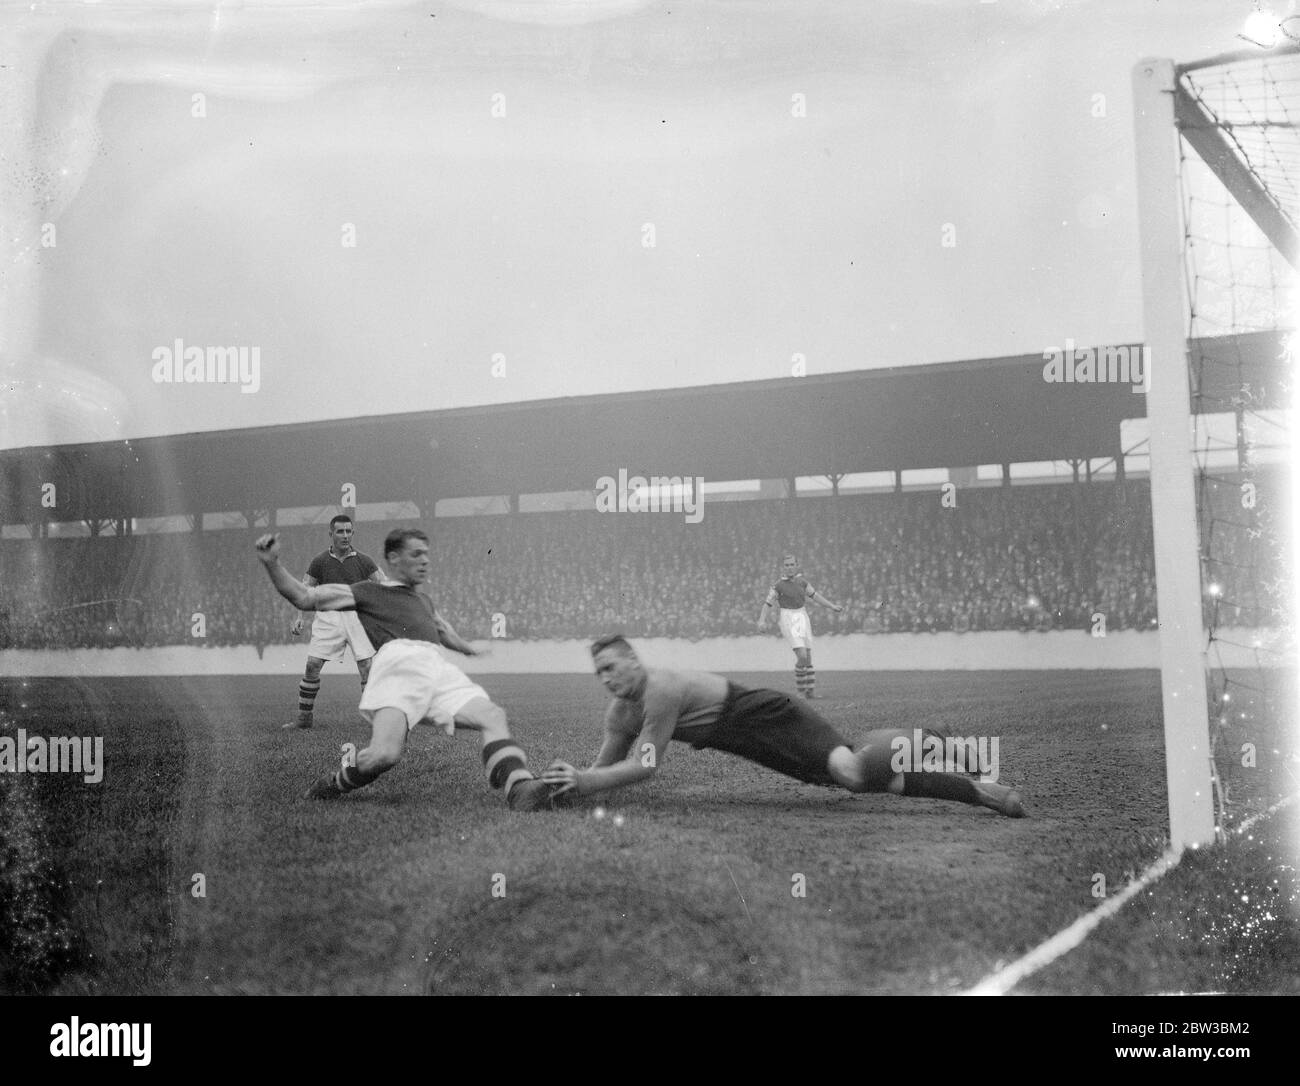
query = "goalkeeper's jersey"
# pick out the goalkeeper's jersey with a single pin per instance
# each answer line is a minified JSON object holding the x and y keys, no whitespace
{"x":393,"y":610}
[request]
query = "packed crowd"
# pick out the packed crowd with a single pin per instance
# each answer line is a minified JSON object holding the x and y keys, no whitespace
{"x":1020,"y":558}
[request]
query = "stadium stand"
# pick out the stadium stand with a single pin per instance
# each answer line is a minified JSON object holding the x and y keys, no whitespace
{"x":1021,"y":558}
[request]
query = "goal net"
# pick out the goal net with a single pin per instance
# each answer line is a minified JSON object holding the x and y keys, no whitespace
{"x":1218,"y":158}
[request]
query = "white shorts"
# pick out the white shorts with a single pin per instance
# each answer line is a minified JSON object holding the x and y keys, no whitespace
{"x":415,"y":677}
{"x":332,"y":631}
{"x":796,"y":627}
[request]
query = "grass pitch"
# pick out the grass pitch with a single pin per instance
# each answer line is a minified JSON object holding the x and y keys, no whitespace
{"x":193,"y":867}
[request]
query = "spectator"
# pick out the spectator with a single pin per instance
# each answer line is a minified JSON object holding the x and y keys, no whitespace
{"x":1022,"y":558}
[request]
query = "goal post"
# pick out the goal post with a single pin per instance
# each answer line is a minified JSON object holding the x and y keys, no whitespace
{"x":1184,"y":701}
{"x":1170,"y":122}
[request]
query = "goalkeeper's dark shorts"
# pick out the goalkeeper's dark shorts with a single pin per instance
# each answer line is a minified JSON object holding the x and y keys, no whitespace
{"x":772,"y":729}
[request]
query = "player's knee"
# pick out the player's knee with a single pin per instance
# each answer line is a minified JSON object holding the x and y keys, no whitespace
{"x":313,"y":671}
{"x":844,"y":769}
{"x":872,"y":768}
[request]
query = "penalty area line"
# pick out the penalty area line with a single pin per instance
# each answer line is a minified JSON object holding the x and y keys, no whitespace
{"x":1067,"y":939}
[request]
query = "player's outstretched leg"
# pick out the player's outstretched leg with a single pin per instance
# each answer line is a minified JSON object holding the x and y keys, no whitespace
{"x":504,"y":761}
{"x":387,"y":741}
{"x":308,"y":688}
{"x":871,"y":769}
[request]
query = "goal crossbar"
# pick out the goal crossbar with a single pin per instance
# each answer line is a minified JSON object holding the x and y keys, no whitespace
{"x":1205,"y":135}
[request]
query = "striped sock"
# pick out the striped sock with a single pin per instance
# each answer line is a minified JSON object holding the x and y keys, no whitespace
{"x":505,"y":764}
{"x":802,"y":679}
{"x":350,"y":778}
{"x":307,"y":691}
{"x":810,"y":680}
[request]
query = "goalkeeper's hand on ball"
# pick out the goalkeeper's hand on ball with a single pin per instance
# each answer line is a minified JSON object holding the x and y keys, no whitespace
{"x":562,"y":777}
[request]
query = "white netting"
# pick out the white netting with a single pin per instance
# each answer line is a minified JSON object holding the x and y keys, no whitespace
{"x":1243,"y":296}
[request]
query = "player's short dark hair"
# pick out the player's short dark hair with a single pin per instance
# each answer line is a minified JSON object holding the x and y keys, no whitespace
{"x":395,"y":540}
{"x":612,"y":641}
{"x":789,"y":558}
{"x":338,"y":518}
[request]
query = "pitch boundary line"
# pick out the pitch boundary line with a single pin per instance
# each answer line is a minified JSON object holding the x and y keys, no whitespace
{"x":1006,"y":978}
{"x":1253,"y":819}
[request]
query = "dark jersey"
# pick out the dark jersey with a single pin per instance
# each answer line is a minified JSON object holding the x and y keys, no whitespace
{"x":793,"y":592}
{"x":390,"y":611}
{"x":353,"y":567}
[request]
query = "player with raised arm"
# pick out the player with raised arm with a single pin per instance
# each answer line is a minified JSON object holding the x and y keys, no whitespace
{"x":332,"y":631}
{"x":410,"y":680}
{"x":652,"y":706}
{"x":790,"y":595}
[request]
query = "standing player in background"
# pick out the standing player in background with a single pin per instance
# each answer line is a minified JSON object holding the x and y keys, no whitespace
{"x":412,"y":682}
{"x":331,"y":631}
{"x":791,"y":593}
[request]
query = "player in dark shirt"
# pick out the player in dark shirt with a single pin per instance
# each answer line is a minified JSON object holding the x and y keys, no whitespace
{"x":790,"y":595}
{"x":331,"y":632}
{"x":411,"y":681}
{"x":652,"y":706}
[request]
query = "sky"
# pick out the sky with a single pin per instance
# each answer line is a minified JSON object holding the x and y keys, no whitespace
{"x":415,"y":207}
